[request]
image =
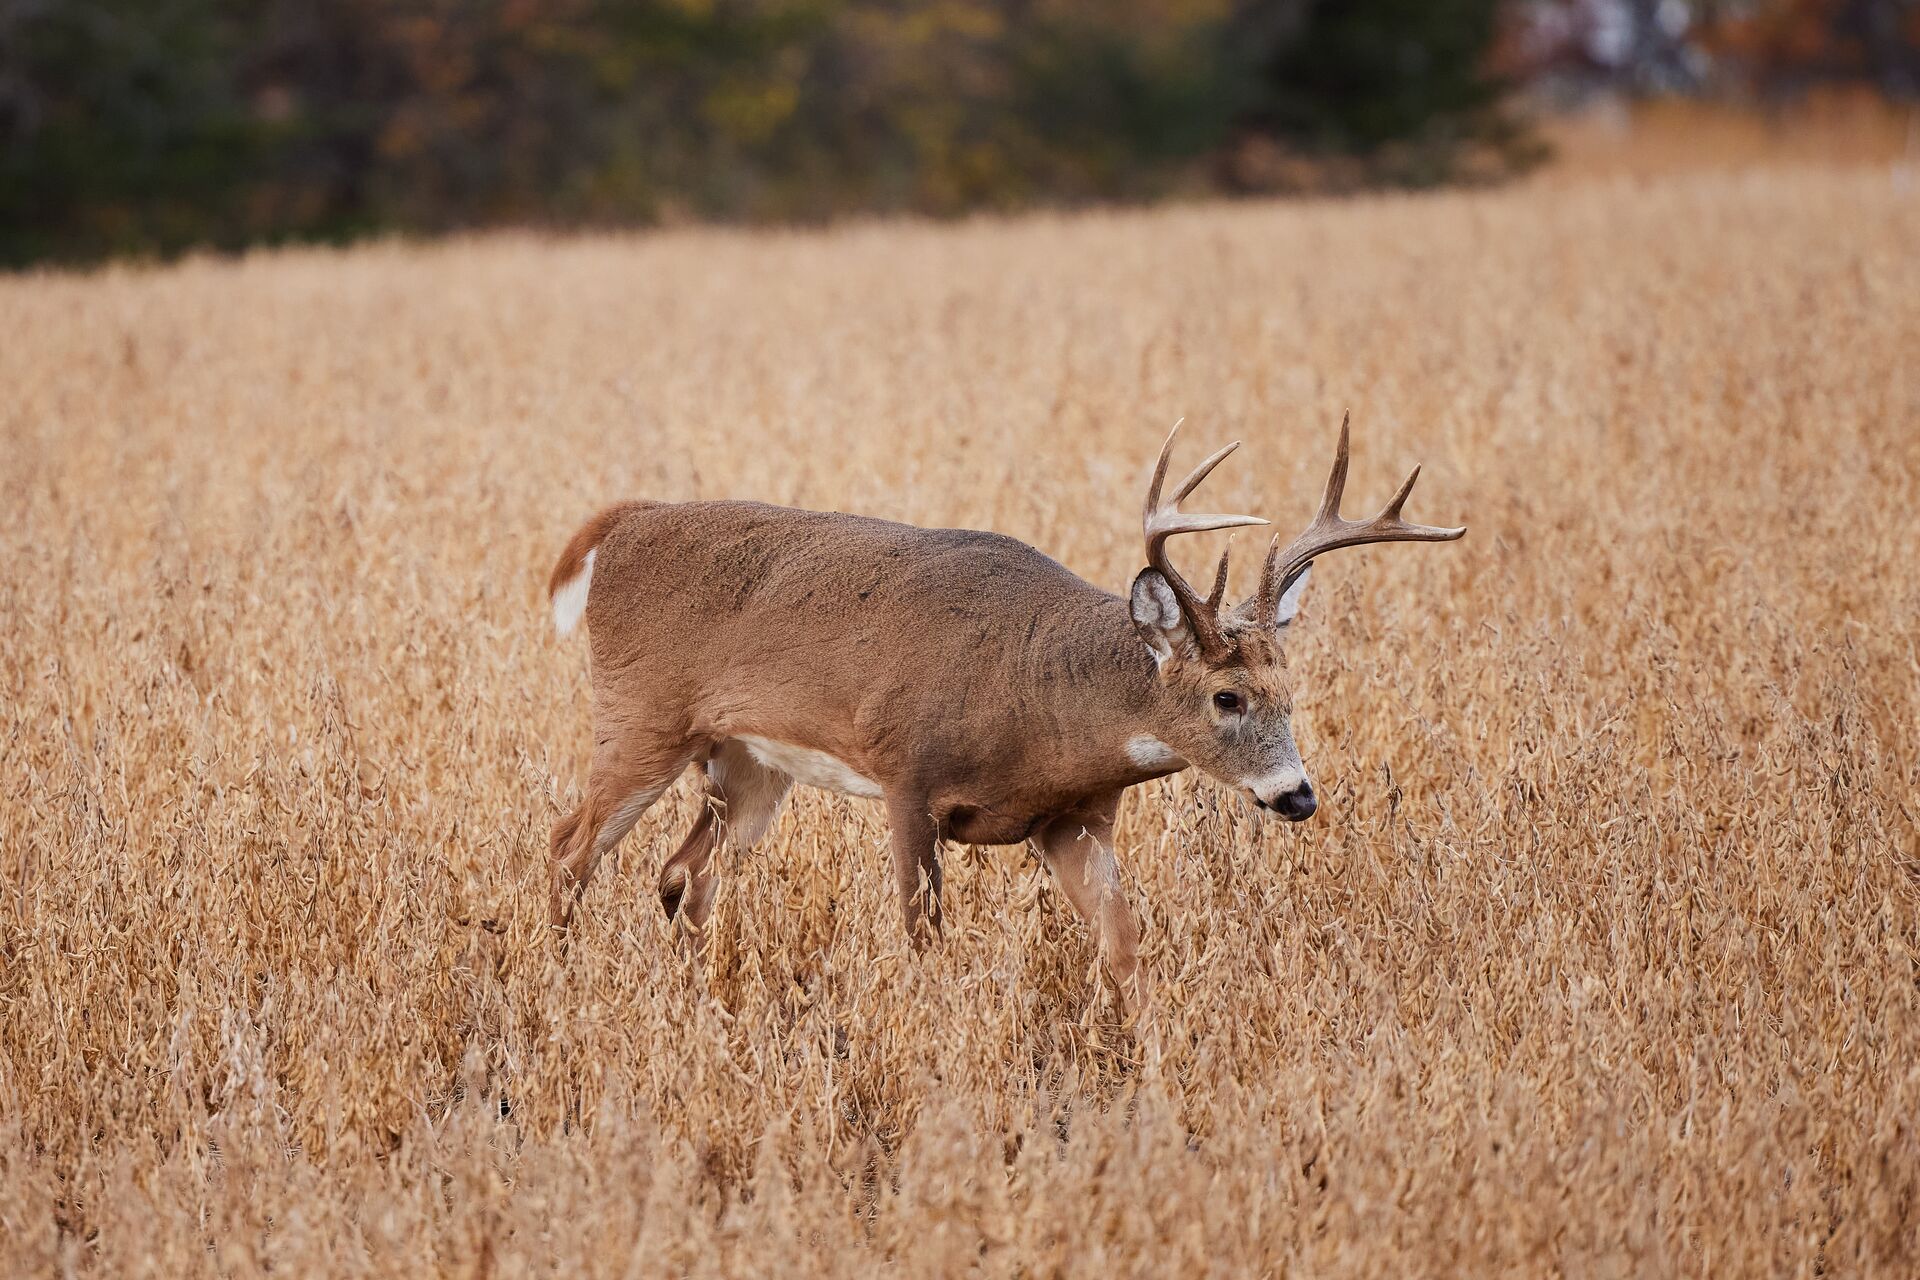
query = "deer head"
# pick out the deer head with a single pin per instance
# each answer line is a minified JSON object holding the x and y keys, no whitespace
{"x":1226,"y":696}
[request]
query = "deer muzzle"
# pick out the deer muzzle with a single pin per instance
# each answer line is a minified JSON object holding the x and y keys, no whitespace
{"x":1295,"y":805}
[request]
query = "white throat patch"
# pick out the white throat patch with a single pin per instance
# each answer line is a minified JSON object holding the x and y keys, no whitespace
{"x":1149,"y":752}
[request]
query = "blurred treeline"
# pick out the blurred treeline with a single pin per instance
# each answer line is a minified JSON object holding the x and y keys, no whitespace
{"x":147,"y":126}
{"x":151,"y":125}
{"x":1752,"y":51}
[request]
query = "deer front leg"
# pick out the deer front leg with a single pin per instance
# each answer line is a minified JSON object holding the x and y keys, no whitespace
{"x":916,"y":866}
{"x":1078,"y":848}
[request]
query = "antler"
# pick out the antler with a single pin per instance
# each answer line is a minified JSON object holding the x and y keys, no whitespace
{"x":1164,"y":519}
{"x":1328,"y":532}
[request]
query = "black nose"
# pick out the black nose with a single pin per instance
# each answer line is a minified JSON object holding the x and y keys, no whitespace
{"x":1296,"y":805}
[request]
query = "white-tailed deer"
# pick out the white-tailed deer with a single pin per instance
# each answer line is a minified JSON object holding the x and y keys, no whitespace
{"x":979,"y":690}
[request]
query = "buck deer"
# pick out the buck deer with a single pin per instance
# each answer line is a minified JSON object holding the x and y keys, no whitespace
{"x":978,"y":689}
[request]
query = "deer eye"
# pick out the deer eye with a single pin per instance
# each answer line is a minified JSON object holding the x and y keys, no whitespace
{"x":1230,"y":702}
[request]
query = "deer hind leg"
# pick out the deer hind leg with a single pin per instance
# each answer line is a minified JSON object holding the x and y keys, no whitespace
{"x":623,"y":783}
{"x":1078,"y":848}
{"x":743,"y":798}
{"x":695,"y":852}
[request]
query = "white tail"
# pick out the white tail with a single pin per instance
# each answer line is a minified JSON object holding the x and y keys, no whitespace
{"x":980,"y":690}
{"x":572,"y":579}
{"x":570,"y":601}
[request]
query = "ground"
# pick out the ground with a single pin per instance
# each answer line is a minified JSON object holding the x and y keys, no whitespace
{"x":1598,"y":959}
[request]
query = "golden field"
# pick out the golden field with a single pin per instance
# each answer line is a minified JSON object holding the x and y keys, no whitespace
{"x":1599,"y":959}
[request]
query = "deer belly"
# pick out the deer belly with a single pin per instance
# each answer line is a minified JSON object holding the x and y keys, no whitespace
{"x":982,"y":825}
{"x":814,"y":768}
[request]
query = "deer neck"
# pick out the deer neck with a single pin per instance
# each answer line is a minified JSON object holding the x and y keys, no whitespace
{"x":1111,"y":704}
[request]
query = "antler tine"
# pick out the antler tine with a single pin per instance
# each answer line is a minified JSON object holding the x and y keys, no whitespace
{"x":1160,"y":471}
{"x":1219,"y":592}
{"x":1337,"y":478}
{"x":1392,"y":510}
{"x":1328,"y":531}
{"x":1205,"y":469}
{"x":1164,"y":518}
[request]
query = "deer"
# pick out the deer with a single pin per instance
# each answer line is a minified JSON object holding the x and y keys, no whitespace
{"x":978,"y":689}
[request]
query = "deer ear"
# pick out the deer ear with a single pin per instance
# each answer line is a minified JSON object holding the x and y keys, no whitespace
{"x":1157,"y":616}
{"x":1290,"y":592}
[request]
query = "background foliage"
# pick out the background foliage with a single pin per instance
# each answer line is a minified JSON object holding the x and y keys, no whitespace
{"x":153,"y":125}
{"x":144,"y":125}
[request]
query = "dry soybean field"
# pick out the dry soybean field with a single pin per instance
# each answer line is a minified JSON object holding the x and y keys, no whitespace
{"x":1598,"y":960}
